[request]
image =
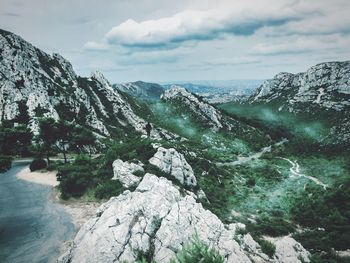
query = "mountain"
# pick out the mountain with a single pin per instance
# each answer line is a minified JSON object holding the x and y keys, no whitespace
{"x":219,"y":91}
{"x":207,"y":115}
{"x":142,"y":90}
{"x":35,"y":84}
{"x":322,"y":92}
{"x":325,"y":87}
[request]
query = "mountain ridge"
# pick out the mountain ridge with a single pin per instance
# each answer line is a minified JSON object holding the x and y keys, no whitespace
{"x":35,"y":84}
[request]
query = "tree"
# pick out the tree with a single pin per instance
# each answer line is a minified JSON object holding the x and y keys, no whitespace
{"x":15,"y":140}
{"x":47,"y":135}
{"x":64,"y":135}
{"x":82,"y":138}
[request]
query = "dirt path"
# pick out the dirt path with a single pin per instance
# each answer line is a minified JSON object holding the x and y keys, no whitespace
{"x":245,"y":159}
{"x":295,"y":172}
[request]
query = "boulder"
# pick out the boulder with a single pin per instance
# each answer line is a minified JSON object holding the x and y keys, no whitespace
{"x":124,"y":172}
{"x":174,"y":163}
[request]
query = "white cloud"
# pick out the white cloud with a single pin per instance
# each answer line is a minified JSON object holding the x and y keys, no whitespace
{"x":229,"y":17}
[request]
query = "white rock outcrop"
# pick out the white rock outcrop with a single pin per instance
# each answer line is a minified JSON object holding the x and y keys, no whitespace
{"x":288,"y":250}
{"x":124,"y":172}
{"x":200,"y":108}
{"x":174,"y":163}
{"x":156,"y":220}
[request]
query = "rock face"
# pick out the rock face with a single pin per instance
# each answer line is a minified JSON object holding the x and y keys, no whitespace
{"x":124,"y":172}
{"x":155,"y":220}
{"x":198,"y":107}
{"x":323,"y":91}
{"x":325,"y":86}
{"x":174,"y":164}
{"x":142,"y":90}
{"x":288,"y":250}
{"x":35,"y":84}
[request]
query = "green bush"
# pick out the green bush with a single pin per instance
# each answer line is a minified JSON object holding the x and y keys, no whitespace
{"x":267,"y":247}
{"x":37,"y":164}
{"x":197,"y":251}
{"x":326,"y":209}
{"x":77,"y":177}
{"x":5,"y":163}
{"x":272,"y":226}
{"x":108,"y":189}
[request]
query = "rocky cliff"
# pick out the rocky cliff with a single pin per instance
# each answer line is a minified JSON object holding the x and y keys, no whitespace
{"x":322,"y":92}
{"x":325,"y":86}
{"x":34,"y":84}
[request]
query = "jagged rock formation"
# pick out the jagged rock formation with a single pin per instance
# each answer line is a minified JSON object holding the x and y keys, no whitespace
{"x":142,"y":90}
{"x":174,"y":164}
{"x":323,"y":91}
{"x":125,"y":172}
{"x":198,"y":107}
{"x":157,"y":220}
{"x":34,"y":84}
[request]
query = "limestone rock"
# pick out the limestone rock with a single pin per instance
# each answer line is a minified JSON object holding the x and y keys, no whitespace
{"x":200,"y":108}
{"x":35,"y":84}
{"x":157,"y":220}
{"x":154,"y":219}
{"x":174,"y":163}
{"x":288,"y":250}
{"x":322,"y":91}
{"x":124,"y":172}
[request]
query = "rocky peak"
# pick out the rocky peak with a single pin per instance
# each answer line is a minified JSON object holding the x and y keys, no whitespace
{"x":99,"y":77}
{"x":197,"y":106}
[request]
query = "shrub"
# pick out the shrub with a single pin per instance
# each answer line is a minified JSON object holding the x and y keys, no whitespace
{"x":108,"y":189}
{"x":272,"y":226}
{"x":326,"y":209}
{"x":197,"y":251}
{"x":77,"y":177}
{"x":267,"y":247}
{"x":5,"y":163}
{"x":37,"y":164}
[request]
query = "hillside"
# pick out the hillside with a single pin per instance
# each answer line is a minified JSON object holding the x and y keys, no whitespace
{"x":35,"y":84}
{"x":321,"y":95}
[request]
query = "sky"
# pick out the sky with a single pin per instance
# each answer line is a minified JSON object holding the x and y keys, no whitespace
{"x":161,"y":40}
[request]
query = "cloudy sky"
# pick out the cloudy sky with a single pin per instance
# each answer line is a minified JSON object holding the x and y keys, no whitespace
{"x":161,"y":40}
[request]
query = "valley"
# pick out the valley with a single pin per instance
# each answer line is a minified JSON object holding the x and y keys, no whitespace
{"x":261,"y":179}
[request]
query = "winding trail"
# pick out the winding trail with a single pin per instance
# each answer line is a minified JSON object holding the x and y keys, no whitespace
{"x":32,"y":227}
{"x":295,"y":172}
{"x":245,"y":159}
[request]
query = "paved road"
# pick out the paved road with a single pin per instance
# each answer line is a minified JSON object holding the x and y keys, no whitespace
{"x":32,"y":227}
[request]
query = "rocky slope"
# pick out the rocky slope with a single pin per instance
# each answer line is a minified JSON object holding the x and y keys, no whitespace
{"x":156,"y":220}
{"x":142,"y":90}
{"x":159,"y":217}
{"x":34,"y":84}
{"x":323,"y":91}
{"x":325,"y":86}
